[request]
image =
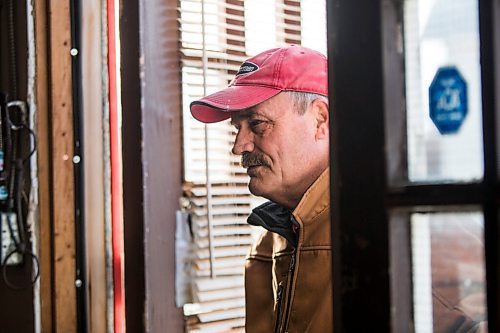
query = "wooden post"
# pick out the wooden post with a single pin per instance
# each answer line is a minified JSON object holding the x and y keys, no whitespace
{"x":96,"y":194}
{"x":62,"y":173}
{"x":43,"y":155}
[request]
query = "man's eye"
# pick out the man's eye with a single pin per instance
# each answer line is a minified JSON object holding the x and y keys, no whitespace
{"x":258,"y":125}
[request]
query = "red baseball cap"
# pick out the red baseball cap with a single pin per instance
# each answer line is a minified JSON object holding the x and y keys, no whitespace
{"x":291,"y":68}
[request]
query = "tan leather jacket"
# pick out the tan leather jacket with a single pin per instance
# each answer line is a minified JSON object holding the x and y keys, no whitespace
{"x":288,"y":274}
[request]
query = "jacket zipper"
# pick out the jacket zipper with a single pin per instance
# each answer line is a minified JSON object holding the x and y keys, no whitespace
{"x":279,"y":298}
{"x":288,"y":302}
{"x":291,"y":272}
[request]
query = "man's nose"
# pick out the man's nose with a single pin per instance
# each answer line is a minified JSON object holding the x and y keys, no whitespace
{"x":243,"y":142}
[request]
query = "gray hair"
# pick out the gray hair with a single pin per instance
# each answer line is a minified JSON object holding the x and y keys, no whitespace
{"x":302,"y":100}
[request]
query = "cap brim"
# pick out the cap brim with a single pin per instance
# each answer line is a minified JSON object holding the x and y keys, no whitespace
{"x":217,"y":107}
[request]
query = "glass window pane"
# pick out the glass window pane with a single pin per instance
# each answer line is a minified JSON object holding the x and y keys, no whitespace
{"x":448,"y":272}
{"x":260,"y":25}
{"x":443,"y":90}
{"x":313,"y":25}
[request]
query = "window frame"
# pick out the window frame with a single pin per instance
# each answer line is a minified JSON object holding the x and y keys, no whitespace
{"x":366,"y":73}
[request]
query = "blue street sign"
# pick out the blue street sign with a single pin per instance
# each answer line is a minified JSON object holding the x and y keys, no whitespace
{"x":448,"y":100}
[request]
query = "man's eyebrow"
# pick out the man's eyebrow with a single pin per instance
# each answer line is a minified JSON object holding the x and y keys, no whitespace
{"x":248,"y":113}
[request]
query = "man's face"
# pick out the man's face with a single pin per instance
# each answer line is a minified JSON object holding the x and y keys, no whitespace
{"x":278,"y":148}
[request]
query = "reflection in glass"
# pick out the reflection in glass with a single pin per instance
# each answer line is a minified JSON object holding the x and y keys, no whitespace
{"x":448,"y":272}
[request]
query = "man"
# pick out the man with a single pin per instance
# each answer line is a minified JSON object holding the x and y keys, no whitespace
{"x":278,"y":104}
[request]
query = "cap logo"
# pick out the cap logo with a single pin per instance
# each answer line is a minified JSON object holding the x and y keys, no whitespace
{"x":247,"y":67}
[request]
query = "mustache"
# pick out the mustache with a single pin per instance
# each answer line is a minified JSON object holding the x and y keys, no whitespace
{"x":253,"y":159}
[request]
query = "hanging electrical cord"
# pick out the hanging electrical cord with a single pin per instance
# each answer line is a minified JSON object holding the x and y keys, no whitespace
{"x":13,"y":132}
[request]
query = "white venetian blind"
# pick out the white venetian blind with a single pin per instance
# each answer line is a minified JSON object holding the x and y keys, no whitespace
{"x":216,"y":36}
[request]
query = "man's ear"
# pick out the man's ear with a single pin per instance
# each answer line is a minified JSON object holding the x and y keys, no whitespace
{"x":320,"y":110}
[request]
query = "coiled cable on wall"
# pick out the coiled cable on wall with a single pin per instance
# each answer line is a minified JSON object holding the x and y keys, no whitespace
{"x":16,"y":164}
{"x":14,"y":129}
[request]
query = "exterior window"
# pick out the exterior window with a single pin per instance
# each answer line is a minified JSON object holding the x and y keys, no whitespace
{"x":444,"y":137}
{"x":448,"y":268}
{"x":440,"y":34}
{"x":414,"y":162}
